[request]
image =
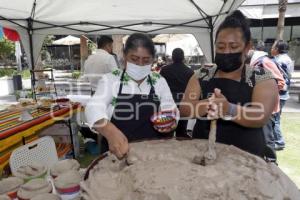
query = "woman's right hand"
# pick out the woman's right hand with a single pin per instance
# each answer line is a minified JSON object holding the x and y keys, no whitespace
{"x":118,"y":144}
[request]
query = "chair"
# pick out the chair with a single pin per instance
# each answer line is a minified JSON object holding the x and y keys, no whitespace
{"x":42,"y":151}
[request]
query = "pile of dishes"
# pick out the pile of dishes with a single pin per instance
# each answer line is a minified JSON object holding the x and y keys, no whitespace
{"x":32,"y":182}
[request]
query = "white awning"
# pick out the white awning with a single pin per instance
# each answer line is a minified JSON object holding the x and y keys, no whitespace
{"x":34,"y":19}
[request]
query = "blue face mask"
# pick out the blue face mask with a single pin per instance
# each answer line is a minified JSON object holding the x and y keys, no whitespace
{"x":228,"y":62}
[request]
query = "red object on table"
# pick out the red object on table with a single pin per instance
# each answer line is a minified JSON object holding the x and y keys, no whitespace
{"x":11,"y":35}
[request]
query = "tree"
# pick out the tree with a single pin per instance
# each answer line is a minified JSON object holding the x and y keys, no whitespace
{"x":44,"y":52}
{"x":7,"y":49}
{"x":280,"y":23}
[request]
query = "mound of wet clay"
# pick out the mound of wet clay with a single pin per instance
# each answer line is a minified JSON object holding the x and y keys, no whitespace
{"x":165,"y":170}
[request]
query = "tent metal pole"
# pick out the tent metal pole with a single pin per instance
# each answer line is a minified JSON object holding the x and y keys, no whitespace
{"x":183,"y":25}
{"x":126,"y":29}
{"x":189,"y":22}
{"x":29,"y":31}
{"x":229,"y":10}
{"x":81,"y":23}
{"x":212,"y":39}
{"x":167,"y":26}
{"x":13,"y":22}
{"x":150,"y":23}
{"x":33,"y":10}
{"x":123,"y":27}
{"x":220,"y":11}
{"x":55,"y":26}
{"x":15,"y":19}
{"x":202,"y":13}
{"x":86,"y":23}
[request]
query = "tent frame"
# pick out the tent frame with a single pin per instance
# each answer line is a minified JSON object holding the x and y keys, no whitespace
{"x":204,"y":17}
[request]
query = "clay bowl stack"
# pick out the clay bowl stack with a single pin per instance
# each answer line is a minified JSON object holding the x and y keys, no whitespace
{"x":66,"y":178}
{"x":31,"y":172}
{"x":46,"y":197}
{"x":33,"y":188}
{"x":4,"y":197}
{"x":67,"y":185}
{"x":10,"y":186}
{"x":64,"y":166}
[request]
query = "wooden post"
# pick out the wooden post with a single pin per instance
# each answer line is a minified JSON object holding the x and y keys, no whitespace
{"x":118,"y":45}
{"x":83,"y":51}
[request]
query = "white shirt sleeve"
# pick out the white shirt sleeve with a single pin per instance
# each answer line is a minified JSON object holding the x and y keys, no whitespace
{"x":111,"y":63}
{"x":97,"y":107}
{"x":166,"y":98}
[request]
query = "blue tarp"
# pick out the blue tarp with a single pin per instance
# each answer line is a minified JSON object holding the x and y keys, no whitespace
{"x":1,"y":32}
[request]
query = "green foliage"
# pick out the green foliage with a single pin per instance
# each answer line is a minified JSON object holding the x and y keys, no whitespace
{"x":76,"y":74}
{"x":116,"y":72}
{"x":289,"y":159}
{"x":7,"y":72}
{"x":7,"y":48}
{"x":25,"y":74}
{"x":48,"y":40}
{"x":91,"y":47}
{"x":27,"y":93}
{"x":114,"y":101}
{"x":10,"y":72}
{"x":45,"y":55}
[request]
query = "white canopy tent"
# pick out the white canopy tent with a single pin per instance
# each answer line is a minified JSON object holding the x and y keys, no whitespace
{"x":34,"y":19}
{"x":69,"y":40}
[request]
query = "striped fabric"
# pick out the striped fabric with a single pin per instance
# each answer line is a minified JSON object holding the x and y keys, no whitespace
{"x":9,"y":119}
{"x":13,"y":131}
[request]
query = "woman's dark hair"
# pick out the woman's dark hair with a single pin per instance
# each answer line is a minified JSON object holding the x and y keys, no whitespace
{"x":103,"y":41}
{"x":237,"y":20}
{"x":137,"y":40}
{"x":281,"y":46}
{"x":178,"y":55}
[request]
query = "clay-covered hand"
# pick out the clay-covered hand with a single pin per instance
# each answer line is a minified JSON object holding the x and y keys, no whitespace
{"x":118,"y":144}
{"x":218,"y":105}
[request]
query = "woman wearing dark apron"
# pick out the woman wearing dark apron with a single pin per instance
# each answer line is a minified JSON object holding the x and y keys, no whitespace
{"x":241,"y":98}
{"x":125,"y":100}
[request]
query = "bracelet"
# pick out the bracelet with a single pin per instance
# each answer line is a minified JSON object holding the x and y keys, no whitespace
{"x":232,"y":112}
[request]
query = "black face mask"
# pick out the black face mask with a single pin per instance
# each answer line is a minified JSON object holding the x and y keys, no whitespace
{"x":228,"y":62}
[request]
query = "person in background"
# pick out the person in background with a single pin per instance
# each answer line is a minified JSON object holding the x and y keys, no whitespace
{"x":101,"y":62}
{"x":241,"y":98}
{"x":279,"y":51}
{"x":260,"y":58}
{"x":125,"y":100}
{"x":177,"y":76}
{"x":161,"y":62}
